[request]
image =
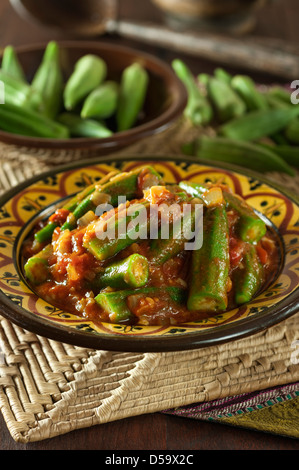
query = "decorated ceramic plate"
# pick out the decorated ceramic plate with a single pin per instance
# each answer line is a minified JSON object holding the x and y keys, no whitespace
{"x":36,"y":199}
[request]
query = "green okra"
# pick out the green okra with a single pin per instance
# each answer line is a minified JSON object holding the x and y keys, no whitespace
{"x":20,"y":93}
{"x":101,"y":103}
{"x":280,"y":93}
{"x":89,"y":71}
{"x":248,"y":91}
{"x":223,"y":75}
{"x":259,"y":123}
{"x":289,"y":153}
{"x":194,"y":189}
{"x":242,"y":153}
{"x":48,"y":80}
{"x":11,"y":64}
{"x":164,"y":248}
{"x":292,"y":131}
{"x":132,"y":271}
{"x":203,"y":79}
{"x":122,"y":230}
{"x":249,"y":277}
{"x":226,"y":101}
{"x":198,"y":108}
{"x":114,"y":303}
{"x":250,"y":227}
{"x":132,"y":94}
{"x":22,"y":121}
{"x":125,"y":184}
{"x":79,"y":127}
{"x":36,"y":267}
{"x":209,"y":271}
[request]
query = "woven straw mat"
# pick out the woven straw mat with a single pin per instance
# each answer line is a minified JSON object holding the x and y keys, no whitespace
{"x":48,"y":388}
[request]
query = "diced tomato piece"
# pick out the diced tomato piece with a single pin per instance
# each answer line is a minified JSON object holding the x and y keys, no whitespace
{"x":60,"y":216}
{"x":262,"y":254}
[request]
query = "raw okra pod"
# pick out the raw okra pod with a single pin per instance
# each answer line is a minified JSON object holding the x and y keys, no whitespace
{"x":89,"y":71}
{"x":227,"y":103}
{"x":20,"y":94}
{"x":101,"y":103}
{"x":248,"y":91}
{"x":132,"y":94}
{"x":22,"y":121}
{"x":11,"y":64}
{"x":79,"y":127}
{"x":48,"y":80}
{"x":198,"y":108}
{"x":237,"y":152}
{"x":288,"y":152}
{"x":260,"y":123}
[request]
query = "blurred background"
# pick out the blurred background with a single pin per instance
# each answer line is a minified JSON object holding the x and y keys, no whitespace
{"x":270,"y":23}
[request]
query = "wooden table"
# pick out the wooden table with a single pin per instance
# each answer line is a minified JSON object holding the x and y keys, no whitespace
{"x":154,"y":431}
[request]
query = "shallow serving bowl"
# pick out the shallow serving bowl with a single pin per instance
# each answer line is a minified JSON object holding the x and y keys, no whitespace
{"x":165,"y":101}
{"x":23,"y":206}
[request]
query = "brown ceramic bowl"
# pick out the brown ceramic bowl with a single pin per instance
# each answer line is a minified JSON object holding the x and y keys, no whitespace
{"x":165,"y":102}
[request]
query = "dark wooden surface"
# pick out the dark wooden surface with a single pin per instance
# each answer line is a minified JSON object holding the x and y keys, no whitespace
{"x":155,"y":431}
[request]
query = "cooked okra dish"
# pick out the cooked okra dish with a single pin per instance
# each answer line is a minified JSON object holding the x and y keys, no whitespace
{"x":117,"y":252}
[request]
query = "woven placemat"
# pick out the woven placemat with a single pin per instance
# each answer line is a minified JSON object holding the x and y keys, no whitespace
{"x":49,"y":388}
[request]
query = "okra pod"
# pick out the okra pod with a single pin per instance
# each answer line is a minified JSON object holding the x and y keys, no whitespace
{"x":20,"y":93}
{"x":248,"y":91}
{"x":89,"y":71}
{"x":125,"y":184}
{"x":223,"y":75}
{"x":101,"y":103}
{"x":11,"y":64}
{"x":128,"y":184}
{"x":280,"y":93}
{"x":132,"y":271}
{"x":288,"y":152}
{"x":18,"y":120}
{"x":292,"y":131}
{"x":250,"y":227}
{"x":249,"y":277}
{"x":209,"y":272}
{"x":227,"y":103}
{"x":198,"y":108}
{"x":114,"y":303}
{"x":194,"y":189}
{"x":79,"y":127}
{"x":120,"y":230}
{"x":48,"y":80}
{"x":237,"y":152}
{"x":36,"y":268}
{"x":257,"y":124}
{"x":45,"y":233}
{"x":132,"y":94}
{"x":164,"y":248}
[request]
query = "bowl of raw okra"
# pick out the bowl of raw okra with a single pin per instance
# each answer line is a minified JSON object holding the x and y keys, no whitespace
{"x":85,"y":95}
